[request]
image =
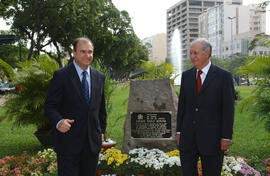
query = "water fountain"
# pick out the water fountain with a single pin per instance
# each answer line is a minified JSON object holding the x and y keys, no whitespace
{"x":176,"y":55}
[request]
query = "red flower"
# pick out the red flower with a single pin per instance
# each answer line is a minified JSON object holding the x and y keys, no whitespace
{"x":267,"y":161}
{"x":267,"y":169}
{"x":19,"y":87}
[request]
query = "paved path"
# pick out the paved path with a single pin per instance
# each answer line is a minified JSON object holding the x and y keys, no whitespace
{"x":3,"y":99}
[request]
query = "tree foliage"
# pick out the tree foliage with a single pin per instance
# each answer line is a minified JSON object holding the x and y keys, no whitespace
{"x":58,"y":23}
{"x":258,"y":68}
{"x":151,"y":70}
{"x":260,"y":39}
{"x":25,"y":107}
{"x":6,"y":71}
{"x":10,"y":54}
{"x":232,"y":64}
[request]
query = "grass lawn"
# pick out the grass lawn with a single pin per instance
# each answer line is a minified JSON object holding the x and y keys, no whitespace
{"x":14,"y":140}
{"x":250,"y":139}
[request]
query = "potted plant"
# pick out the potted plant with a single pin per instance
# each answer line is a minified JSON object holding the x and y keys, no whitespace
{"x":25,"y":106}
{"x":112,"y":161}
{"x":108,"y":143}
{"x":147,"y":162}
{"x":173,"y":165}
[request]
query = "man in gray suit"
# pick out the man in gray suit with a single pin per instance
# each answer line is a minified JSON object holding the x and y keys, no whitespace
{"x":205,"y":113}
{"x":75,"y":105}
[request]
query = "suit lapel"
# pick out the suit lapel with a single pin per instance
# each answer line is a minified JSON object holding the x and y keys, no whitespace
{"x":94,"y":83}
{"x":193,"y":82}
{"x":209,"y":77}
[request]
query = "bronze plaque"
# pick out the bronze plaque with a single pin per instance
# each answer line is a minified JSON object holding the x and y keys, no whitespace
{"x":151,"y":125}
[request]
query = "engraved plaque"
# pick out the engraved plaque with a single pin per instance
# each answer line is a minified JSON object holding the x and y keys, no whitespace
{"x":151,"y":125}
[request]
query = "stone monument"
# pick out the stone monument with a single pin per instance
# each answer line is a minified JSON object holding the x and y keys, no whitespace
{"x":151,"y":116}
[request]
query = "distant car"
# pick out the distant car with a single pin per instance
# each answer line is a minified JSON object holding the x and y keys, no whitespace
{"x":5,"y":88}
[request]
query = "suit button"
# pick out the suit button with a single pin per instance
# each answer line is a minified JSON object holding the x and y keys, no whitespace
{"x":196,"y":109}
{"x":194,"y":122}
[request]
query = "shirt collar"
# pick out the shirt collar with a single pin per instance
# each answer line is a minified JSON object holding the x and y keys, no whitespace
{"x":79,"y":70}
{"x":206,"y":68}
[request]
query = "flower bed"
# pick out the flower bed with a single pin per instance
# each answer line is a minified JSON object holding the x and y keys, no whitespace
{"x":42,"y":164}
{"x":112,"y":161}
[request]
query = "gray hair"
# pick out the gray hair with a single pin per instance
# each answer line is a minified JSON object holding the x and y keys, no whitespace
{"x":79,"y":39}
{"x":204,"y":43}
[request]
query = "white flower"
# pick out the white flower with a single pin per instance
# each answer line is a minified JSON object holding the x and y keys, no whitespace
{"x":174,"y":160}
{"x":232,"y":165}
{"x":153,"y":158}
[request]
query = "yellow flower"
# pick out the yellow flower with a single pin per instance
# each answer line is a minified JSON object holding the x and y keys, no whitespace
{"x":110,"y":160}
{"x":114,"y":157}
{"x":173,"y":153}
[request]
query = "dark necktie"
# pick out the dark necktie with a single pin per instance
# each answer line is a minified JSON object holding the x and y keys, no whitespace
{"x":199,"y":81}
{"x":85,"y":87}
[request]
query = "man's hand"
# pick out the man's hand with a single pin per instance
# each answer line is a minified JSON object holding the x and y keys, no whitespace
{"x":64,"y":125}
{"x":177,"y":138}
{"x":225,"y":145}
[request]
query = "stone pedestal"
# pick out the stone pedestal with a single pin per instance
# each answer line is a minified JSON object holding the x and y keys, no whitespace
{"x":151,"y":116}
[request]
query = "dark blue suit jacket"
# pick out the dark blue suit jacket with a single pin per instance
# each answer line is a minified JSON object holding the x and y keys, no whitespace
{"x":65,"y":99}
{"x":205,"y":119}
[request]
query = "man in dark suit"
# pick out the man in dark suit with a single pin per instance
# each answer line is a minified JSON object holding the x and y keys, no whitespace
{"x":75,"y":105}
{"x":205,"y":113}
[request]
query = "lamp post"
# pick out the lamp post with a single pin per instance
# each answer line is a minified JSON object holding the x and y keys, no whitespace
{"x":231,"y":18}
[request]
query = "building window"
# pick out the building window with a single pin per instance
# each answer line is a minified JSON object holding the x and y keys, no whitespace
{"x":193,"y":25}
{"x":193,"y":35}
{"x":184,"y":4}
{"x":195,"y":10}
{"x":208,"y":3}
{"x":195,"y":3}
{"x":219,"y":3}
{"x":194,"y":14}
{"x":193,"y":19}
{"x":193,"y":30}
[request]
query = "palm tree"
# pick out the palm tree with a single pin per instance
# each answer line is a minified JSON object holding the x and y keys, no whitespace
{"x":25,"y":106}
{"x":258,"y":68}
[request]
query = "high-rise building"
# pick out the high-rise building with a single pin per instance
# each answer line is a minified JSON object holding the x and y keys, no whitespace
{"x":229,"y":28}
{"x":156,"y":46}
{"x":184,"y":16}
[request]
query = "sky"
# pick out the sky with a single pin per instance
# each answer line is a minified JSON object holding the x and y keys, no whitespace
{"x":148,"y":17}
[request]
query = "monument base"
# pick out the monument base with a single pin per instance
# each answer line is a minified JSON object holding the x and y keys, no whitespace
{"x":151,"y":117}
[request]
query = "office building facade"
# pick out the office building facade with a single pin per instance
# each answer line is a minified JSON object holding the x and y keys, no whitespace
{"x":229,"y":28}
{"x":156,"y":46}
{"x":184,"y":16}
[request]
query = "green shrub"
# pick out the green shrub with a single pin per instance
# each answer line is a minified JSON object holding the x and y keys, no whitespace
{"x":155,"y":71}
{"x":258,"y":68}
{"x":25,"y":106}
{"x":6,"y":70}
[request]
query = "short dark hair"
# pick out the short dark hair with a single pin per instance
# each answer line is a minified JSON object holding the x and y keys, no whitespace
{"x":205,"y":44}
{"x":79,"y":39}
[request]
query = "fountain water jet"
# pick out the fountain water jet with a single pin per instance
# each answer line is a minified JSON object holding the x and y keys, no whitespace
{"x":176,"y":55}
